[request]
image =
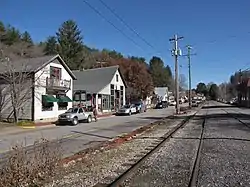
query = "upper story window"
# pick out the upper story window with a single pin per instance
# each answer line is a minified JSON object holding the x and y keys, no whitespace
{"x":55,"y":72}
{"x":117,"y":78}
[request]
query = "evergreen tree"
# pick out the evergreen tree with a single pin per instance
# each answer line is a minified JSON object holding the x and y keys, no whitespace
{"x":11,"y":36}
{"x":213,"y":91}
{"x":2,"y":27}
{"x":162,"y":76}
{"x":2,"y":31}
{"x":202,"y":88}
{"x":51,"y":47}
{"x":70,"y":43}
{"x":25,"y":37}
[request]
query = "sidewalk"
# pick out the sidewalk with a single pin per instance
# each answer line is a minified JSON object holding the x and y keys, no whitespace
{"x":17,"y":129}
{"x":38,"y":126}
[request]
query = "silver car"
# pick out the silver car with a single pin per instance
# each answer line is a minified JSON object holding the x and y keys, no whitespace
{"x":127,"y":110}
{"x":74,"y":115}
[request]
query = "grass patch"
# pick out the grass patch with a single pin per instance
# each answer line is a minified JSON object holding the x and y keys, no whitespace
{"x":25,"y":123}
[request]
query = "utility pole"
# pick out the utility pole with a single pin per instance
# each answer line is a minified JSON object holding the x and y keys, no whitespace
{"x":240,"y":92}
{"x":176,"y":53}
{"x":189,"y":75}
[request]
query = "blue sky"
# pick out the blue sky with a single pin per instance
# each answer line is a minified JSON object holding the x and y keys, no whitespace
{"x":218,"y":30}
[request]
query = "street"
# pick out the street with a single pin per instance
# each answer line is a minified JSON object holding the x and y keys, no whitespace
{"x":77,"y":138}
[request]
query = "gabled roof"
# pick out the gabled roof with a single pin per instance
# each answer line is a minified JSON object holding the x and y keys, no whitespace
{"x":33,"y":64}
{"x":94,"y":80}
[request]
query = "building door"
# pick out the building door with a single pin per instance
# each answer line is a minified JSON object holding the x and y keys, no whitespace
{"x":117,"y":99}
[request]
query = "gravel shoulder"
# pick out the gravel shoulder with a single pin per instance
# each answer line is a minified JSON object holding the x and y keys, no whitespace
{"x":225,"y":157}
{"x":225,"y":163}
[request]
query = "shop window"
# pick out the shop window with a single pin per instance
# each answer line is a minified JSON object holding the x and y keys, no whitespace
{"x":77,"y":97}
{"x":62,"y":105}
{"x":46,"y":105}
{"x":83,"y":96}
{"x":105,"y":102}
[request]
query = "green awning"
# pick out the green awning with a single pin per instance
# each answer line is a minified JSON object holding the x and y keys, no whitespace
{"x":49,"y":98}
{"x":64,"y":99}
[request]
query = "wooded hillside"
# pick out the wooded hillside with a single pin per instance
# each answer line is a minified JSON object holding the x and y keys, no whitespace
{"x":140,"y":76}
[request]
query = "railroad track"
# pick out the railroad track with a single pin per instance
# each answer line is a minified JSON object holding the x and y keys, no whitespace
{"x":237,"y":118}
{"x":154,"y":148}
{"x":195,"y":171}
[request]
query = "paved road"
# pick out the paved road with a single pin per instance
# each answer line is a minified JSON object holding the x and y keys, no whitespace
{"x":85,"y":134}
{"x":225,"y":154}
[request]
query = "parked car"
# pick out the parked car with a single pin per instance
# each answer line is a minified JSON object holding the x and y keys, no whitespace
{"x":140,"y":107}
{"x":74,"y":115}
{"x":162,"y":104}
{"x":159,"y":105}
{"x":194,"y":103}
{"x":165,"y":104}
{"x":172,"y":103}
{"x":127,"y":110}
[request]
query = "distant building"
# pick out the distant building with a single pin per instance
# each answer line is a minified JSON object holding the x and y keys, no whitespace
{"x":243,"y":90}
{"x":162,"y":93}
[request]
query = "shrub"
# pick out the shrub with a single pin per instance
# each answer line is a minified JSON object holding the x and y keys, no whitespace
{"x":30,"y":166}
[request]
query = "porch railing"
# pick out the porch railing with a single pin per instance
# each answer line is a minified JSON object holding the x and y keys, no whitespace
{"x":55,"y":83}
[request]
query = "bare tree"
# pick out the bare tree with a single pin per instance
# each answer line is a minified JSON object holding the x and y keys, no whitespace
{"x":4,"y":98}
{"x":18,"y":79}
{"x":223,"y":91}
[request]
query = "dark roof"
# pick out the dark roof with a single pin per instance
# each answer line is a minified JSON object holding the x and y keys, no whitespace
{"x":94,"y":80}
{"x":33,"y":64}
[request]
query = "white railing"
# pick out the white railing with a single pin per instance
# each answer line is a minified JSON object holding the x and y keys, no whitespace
{"x":58,"y":83}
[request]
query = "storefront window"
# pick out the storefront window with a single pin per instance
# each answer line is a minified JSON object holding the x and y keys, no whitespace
{"x":106,"y":102}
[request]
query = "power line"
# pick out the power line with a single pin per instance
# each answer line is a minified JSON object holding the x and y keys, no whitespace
{"x":101,"y":15}
{"x":222,"y":39}
{"x":126,"y":24}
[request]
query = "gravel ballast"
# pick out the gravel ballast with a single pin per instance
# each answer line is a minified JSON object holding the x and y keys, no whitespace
{"x":172,"y":165}
{"x":225,"y":163}
{"x":104,"y":166}
{"x":225,"y":157}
